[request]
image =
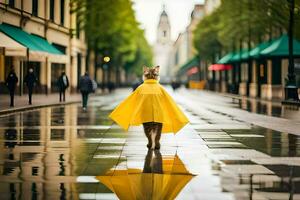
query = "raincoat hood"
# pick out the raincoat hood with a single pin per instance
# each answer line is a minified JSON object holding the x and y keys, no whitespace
{"x":150,"y":103}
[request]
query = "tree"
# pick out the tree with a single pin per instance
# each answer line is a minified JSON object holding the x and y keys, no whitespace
{"x":143,"y":56}
{"x":238,"y":24}
{"x":206,"y":38}
{"x":112,"y":30}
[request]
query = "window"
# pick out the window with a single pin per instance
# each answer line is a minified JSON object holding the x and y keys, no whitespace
{"x":34,"y":171}
{"x":276,"y":71}
{"x":35,"y":7}
{"x":165,"y":33}
{"x":51,"y":10}
{"x":62,"y":12}
{"x":61,"y":48}
{"x":57,"y":135}
{"x":11,"y":3}
{"x":177,"y":58}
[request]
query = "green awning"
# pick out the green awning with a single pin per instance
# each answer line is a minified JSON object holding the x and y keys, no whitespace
{"x":255,"y":52}
{"x":280,"y":47}
{"x":226,"y":59}
{"x":46,"y":46}
{"x":191,"y":63}
{"x":239,"y":55}
{"x":32,"y":42}
{"x":245,"y":55}
{"x":277,"y":47}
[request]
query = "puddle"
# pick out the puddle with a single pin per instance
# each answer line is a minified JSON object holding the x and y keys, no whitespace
{"x":43,"y":151}
{"x":254,"y":175}
{"x":275,"y":109}
{"x":268,"y":141}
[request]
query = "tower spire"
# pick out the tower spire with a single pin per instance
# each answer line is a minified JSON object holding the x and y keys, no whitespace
{"x":164,"y":29}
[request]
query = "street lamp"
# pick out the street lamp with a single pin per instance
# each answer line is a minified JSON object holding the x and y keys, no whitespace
{"x":106,"y":60}
{"x":290,"y":88}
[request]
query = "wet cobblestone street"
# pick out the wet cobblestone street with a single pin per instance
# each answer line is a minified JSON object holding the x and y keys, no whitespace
{"x":65,"y":153}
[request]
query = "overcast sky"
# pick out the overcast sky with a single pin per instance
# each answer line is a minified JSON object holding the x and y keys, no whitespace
{"x":148,"y":12}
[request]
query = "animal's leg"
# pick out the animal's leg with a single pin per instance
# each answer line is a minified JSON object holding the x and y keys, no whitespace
{"x":147,"y":130}
{"x":158,"y":135}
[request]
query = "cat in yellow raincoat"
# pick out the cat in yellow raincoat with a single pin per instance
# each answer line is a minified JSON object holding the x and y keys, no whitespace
{"x":151,"y":106}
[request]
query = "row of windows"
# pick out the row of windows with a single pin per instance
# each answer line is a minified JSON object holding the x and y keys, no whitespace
{"x":35,"y":6}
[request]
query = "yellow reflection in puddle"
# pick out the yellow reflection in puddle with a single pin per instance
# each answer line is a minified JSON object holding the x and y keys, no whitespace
{"x":161,"y":178}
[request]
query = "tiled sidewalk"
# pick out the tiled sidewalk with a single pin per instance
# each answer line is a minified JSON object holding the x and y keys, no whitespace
{"x":202,"y":101}
{"x":181,"y":169}
{"x":65,"y":153}
{"x":42,"y":100}
{"x":212,"y":158}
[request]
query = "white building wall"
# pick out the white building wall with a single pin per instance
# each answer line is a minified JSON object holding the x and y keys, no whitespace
{"x":162,"y":48}
{"x":211,"y":5}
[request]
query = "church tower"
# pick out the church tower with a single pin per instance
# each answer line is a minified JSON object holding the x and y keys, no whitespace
{"x":162,"y":47}
{"x":163,"y":28}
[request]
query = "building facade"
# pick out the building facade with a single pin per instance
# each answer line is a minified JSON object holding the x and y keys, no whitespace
{"x":50,"y":45}
{"x":162,"y":47}
{"x":183,"y":48}
{"x":78,"y":51}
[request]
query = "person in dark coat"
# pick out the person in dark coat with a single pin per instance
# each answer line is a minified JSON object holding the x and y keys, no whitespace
{"x":11,"y":82}
{"x":175,"y":85}
{"x":86,"y":87}
{"x":30,"y":80}
{"x":110,"y":86}
{"x":63,"y":84}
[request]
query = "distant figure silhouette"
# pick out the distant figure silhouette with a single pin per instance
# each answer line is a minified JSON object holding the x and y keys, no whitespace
{"x":63,"y":84}
{"x":11,"y":82}
{"x":86,"y":87}
{"x":30,"y":80}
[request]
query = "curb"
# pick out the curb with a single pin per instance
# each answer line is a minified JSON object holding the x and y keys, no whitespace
{"x":27,"y":108}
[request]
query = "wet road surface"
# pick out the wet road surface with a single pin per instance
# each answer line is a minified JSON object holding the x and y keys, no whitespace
{"x":270,"y":108}
{"x":65,"y":153}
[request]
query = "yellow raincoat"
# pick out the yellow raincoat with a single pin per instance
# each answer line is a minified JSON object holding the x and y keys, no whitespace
{"x":150,"y":103}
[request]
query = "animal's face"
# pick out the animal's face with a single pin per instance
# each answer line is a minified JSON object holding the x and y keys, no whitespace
{"x":151,"y":72}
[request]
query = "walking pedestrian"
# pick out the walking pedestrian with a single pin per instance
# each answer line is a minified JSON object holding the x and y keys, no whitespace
{"x":110,"y":86}
{"x":86,"y":87}
{"x":30,"y":80}
{"x":63,"y":84}
{"x":11,"y":82}
{"x":175,"y":85}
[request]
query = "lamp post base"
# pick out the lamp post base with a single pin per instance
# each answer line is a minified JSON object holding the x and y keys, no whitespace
{"x":291,"y":93}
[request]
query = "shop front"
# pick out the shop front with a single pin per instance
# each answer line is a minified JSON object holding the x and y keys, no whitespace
{"x":34,"y":52}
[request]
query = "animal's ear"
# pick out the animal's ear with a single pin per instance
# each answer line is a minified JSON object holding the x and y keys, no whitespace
{"x":145,"y":69}
{"x":157,"y":68}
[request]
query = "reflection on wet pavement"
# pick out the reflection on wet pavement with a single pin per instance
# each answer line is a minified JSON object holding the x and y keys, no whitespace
{"x":65,"y":153}
{"x":270,"y":108}
{"x":161,"y":178}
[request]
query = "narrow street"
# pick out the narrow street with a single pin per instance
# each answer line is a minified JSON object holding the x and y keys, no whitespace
{"x":224,"y":153}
